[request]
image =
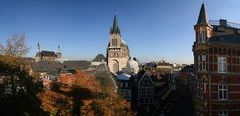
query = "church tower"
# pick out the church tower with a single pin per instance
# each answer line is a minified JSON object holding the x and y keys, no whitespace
{"x":117,"y":51}
{"x":58,"y":53}
{"x":38,"y":56}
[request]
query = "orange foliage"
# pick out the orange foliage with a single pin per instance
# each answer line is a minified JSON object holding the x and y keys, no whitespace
{"x":86,"y":93}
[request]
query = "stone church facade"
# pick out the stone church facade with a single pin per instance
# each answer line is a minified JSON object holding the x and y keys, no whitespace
{"x":117,"y":51}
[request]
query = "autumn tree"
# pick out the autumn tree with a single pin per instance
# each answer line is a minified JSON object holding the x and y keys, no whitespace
{"x":20,"y":87}
{"x":86,"y":97}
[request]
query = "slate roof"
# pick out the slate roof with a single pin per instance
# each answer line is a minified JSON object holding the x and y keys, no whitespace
{"x":202,"y":18}
{"x":226,"y":39}
{"x":99,"y":58}
{"x":232,"y":38}
{"x":115,"y":29}
{"x":77,"y":64}
{"x":50,"y":67}
{"x":46,"y":54}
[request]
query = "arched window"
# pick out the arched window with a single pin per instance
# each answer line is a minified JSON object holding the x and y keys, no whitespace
{"x":115,"y":66}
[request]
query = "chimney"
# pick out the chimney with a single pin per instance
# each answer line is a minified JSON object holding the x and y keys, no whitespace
{"x":223,"y":22}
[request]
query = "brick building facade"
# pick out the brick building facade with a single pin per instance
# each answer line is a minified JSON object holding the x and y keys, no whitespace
{"x":217,"y":65}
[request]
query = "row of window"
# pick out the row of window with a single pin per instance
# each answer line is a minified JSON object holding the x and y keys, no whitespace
{"x":146,"y":90}
{"x":220,"y":112}
{"x":123,"y":84}
{"x":146,"y":100}
{"x":223,"y":113}
{"x":222,"y":91}
{"x":222,"y":63}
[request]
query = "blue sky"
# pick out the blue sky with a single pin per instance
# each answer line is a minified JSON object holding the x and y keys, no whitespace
{"x":153,"y":29}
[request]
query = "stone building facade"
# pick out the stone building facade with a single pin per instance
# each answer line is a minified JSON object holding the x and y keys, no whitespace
{"x":47,"y":55}
{"x":117,"y":51}
{"x":217,"y":65}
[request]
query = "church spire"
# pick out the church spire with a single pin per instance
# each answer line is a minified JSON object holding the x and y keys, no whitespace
{"x":202,"y":18}
{"x":58,"y":48}
{"x":115,"y":29}
{"x":38,"y":47}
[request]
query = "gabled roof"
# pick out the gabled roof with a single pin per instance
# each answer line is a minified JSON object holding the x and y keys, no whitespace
{"x":99,"y":58}
{"x":202,"y":18}
{"x":145,"y":75}
{"x":225,"y":35}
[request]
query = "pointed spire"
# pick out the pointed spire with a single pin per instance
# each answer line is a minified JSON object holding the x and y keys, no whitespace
{"x":202,"y":18}
{"x":58,"y":48}
{"x":38,"y":47}
{"x":115,"y":29}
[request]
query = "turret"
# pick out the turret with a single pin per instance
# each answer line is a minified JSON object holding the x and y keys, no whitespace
{"x":203,"y":29}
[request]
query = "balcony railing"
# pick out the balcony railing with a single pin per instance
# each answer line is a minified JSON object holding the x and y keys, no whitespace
{"x":229,"y":24}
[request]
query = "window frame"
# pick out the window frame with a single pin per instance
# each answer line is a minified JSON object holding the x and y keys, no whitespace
{"x":203,"y":37}
{"x":222,"y":90}
{"x":222,"y":113}
{"x":222,"y":62}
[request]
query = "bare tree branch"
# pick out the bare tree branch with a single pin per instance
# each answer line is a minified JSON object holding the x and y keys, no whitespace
{"x":16,"y":46}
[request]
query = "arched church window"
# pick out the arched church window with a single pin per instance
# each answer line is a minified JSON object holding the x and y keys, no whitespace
{"x":115,"y":66}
